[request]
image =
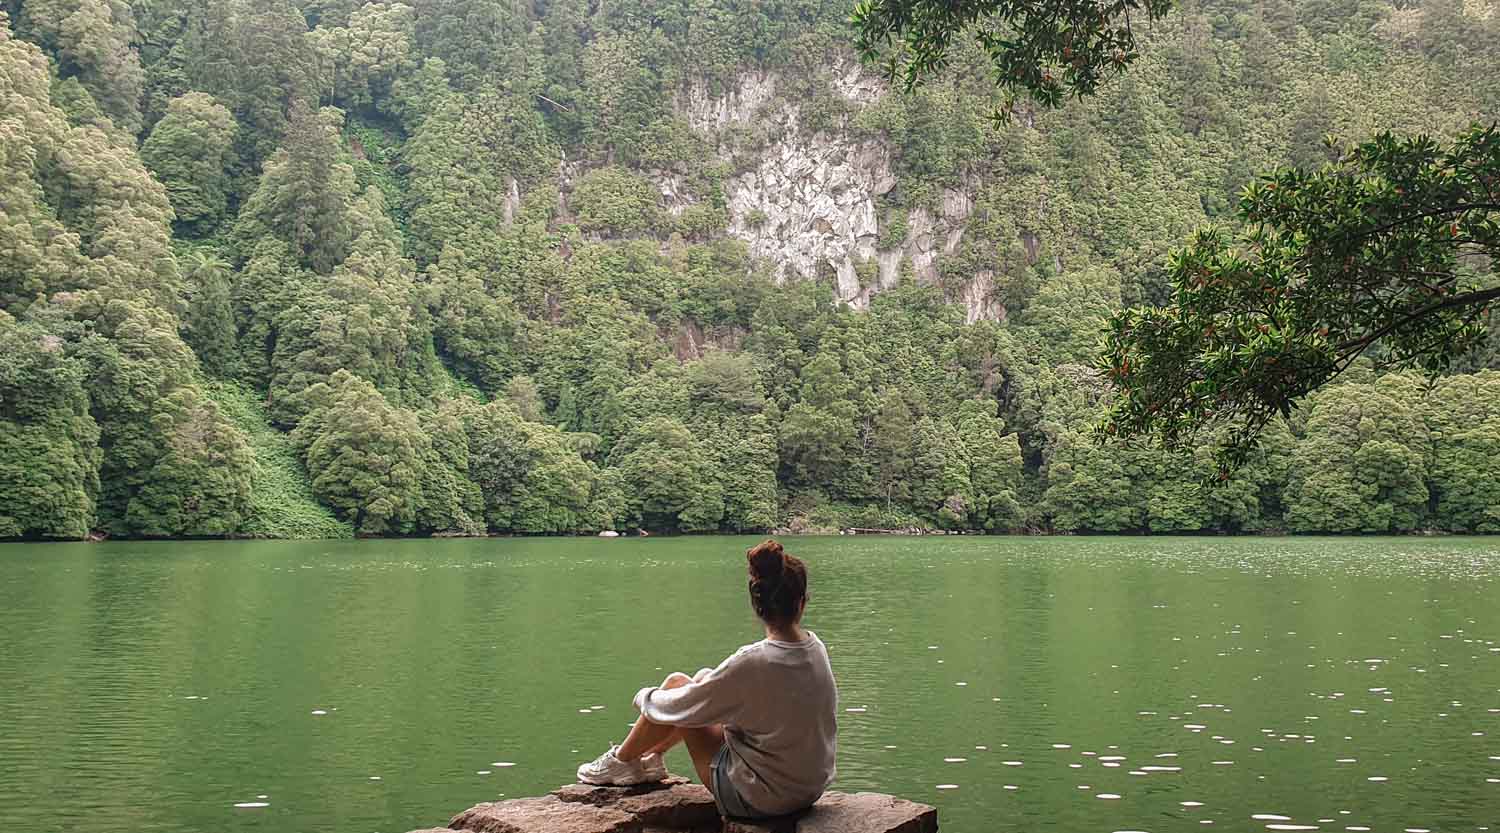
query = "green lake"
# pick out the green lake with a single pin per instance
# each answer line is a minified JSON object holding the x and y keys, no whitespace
{"x":1016,"y":683}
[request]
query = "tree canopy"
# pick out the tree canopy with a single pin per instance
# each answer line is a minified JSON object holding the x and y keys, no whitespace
{"x":1380,"y":246}
{"x":1373,"y":253}
{"x":462,"y":267}
{"x":1044,"y":49}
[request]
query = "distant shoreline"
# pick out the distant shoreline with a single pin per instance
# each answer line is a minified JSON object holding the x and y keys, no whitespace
{"x":778,"y":533}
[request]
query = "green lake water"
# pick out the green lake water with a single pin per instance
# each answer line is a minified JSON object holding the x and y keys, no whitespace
{"x":1346,"y":684}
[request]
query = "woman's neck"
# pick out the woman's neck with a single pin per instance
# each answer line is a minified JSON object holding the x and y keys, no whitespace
{"x":788,"y":633}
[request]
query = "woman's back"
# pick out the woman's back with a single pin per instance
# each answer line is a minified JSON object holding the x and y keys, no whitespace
{"x":783,"y":743}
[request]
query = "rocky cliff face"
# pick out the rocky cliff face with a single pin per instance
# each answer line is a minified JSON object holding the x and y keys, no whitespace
{"x":808,"y":203}
{"x":676,"y":805}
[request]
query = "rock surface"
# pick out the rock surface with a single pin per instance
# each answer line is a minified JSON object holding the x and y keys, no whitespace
{"x":808,"y":194}
{"x":807,"y":202}
{"x":677,"y":805}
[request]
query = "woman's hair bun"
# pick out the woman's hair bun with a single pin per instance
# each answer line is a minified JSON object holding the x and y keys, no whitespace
{"x":766,"y":560}
{"x":778,"y":582}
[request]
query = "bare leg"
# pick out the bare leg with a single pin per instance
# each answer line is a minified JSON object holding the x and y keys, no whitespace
{"x":671,"y":741}
{"x":675,"y":738}
{"x":703,"y":744}
{"x":646,"y":736}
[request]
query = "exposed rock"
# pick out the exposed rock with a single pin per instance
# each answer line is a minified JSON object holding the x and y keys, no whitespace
{"x":677,"y":805}
{"x":512,"y":202}
{"x":805,"y":201}
{"x":851,"y":813}
{"x":957,"y":205}
{"x":675,"y":196}
{"x":709,"y":113}
{"x":687,"y":342}
{"x":1033,"y":246}
{"x":543,"y":815}
{"x":978,"y":298}
{"x":851,"y":81}
{"x":812,"y":198}
{"x":923,"y":230}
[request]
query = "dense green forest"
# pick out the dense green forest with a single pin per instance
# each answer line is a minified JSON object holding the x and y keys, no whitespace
{"x":322,"y":267}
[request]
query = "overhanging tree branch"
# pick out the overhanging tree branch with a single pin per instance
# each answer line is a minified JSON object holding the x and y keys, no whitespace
{"x":1436,"y":212}
{"x":1466,"y":300}
{"x":1309,"y":284}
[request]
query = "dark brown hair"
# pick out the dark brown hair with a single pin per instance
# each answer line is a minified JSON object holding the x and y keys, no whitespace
{"x":778,"y":583}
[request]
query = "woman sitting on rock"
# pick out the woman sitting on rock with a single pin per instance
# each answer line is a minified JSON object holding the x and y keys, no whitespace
{"x":761,"y":728}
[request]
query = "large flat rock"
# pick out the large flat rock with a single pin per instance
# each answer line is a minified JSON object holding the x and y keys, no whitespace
{"x":852,"y":813}
{"x":677,"y":806}
{"x":547,"y":814}
{"x":672,"y":805}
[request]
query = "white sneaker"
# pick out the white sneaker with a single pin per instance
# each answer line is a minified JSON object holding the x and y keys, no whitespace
{"x":609,"y":771}
{"x":655,"y":767}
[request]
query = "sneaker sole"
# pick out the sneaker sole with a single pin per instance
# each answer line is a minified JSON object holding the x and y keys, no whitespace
{"x":582,"y":779}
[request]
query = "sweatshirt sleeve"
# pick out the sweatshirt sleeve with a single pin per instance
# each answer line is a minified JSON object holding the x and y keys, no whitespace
{"x":717,"y":698}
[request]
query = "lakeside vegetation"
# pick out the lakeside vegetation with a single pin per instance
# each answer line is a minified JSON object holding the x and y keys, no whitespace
{"x":304,"y":269}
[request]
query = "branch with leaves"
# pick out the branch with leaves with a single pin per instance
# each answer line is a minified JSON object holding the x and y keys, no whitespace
{"x":1383,"y":253}
{"x":1046,"y":50}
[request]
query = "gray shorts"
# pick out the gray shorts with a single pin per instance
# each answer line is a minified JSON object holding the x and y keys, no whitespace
{"x":731,"y":805}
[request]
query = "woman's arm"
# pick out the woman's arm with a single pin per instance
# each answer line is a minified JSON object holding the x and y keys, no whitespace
{"x":711,"y":699}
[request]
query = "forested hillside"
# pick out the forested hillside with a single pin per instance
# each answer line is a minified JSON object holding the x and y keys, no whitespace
{"x":314,"y":267}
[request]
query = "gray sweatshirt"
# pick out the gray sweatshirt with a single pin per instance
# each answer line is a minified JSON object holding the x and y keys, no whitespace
{"x":778,"y":703}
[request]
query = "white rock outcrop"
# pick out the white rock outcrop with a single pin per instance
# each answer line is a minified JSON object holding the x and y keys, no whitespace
{"x":808,"y":202}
